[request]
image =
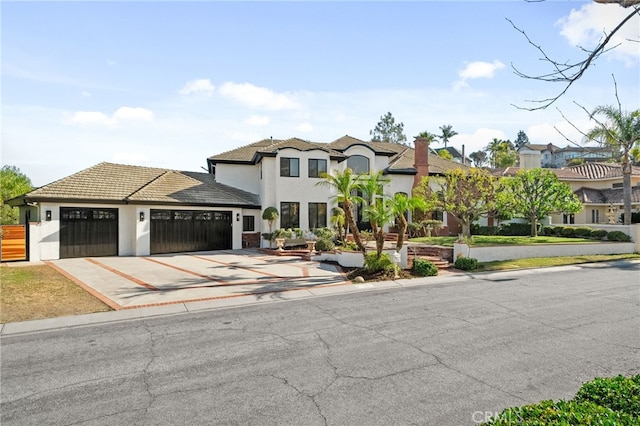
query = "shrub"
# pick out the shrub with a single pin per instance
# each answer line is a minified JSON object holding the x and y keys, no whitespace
{"x":568,"y":231}
{"x":325,"y":233}
{"x":485,"y":230}
{"x":424,"y":268}
{"x":598,"y":234}
{"x":561,"y":413}
{"x":617,"y":393}
{"x":583,"y":232}
{"x":618,"y":236}
{"x":548,"y":230}
{"x":373,"y":263}
{"x":466,"y":263}
{"x":558,"y":230}
{"x":515,"y":229}
{"x":323,"y":244}
{"x":635,"y":217}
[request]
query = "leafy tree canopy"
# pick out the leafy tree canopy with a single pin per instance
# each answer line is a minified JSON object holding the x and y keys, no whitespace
{"x":535,"y":194}
{"x":388,"y":131}
{"x":465,"y":194}
{"x":12,"y":184}
{"x":521,"y":139}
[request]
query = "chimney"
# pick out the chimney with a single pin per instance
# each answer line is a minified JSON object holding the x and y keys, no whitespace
{"x":421,"y":161}
{"x":463,"y":156}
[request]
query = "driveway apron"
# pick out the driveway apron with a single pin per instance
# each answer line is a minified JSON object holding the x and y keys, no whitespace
{"x":131,"y":282}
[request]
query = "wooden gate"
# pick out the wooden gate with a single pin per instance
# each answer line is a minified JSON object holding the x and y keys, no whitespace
{"x":14,"y":243}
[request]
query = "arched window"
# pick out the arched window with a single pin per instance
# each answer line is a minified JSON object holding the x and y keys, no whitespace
{"x":358,"y":163}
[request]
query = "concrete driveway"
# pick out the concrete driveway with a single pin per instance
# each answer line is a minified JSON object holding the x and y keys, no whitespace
{"x":133,"y":282}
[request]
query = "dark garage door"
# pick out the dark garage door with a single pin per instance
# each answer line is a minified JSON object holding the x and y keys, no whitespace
{"x":88,"y":232}
{"x":174,"y":231}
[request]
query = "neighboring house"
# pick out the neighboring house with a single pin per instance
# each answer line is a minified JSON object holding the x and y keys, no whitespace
{"x":118,"y":210}
{"x":597,"y":185}
{"x":552,"y":156}
{"x":458,"y":157}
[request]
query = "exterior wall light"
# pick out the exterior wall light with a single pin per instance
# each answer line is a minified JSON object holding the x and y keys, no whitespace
{"x":141,"y":216}
{"x":47,"y":215}
{"x":237,"y":217}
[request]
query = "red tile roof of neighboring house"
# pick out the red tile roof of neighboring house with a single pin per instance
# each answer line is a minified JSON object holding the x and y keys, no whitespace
{"x":601,"y":170}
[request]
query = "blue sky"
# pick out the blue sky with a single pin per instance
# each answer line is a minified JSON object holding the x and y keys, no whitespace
{"x":167,"y":84}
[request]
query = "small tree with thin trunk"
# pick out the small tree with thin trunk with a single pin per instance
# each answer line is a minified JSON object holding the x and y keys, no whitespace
{"x":535,"y":194}
{"x":270,"y":214}
{"x":400,"y":205}
{"x":465,"y":194}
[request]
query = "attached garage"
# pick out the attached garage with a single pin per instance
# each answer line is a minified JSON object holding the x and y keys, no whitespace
{"x":88,"y":231}
{"x":175,"y":231}
{"x":122,"y":210}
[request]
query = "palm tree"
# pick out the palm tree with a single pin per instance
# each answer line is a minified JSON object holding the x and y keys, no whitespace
{"x":400,"y":205}
{"x":494,"y":148}
{"x":380,"y":213}
{"x":428,"y":136}
{"x":447,"y":133}
{"x":338,"y":221}
{"x":621,"y":132}
{"x":372,"y":187}
{"x":345,"y":184}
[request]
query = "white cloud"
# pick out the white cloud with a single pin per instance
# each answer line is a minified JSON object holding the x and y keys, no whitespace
{"x":480,"y":69}
{"x":477,"y":140}
{"x":304,"y":127}
{"x":258,"y":97}
{"x":133,"y":114}
{"x":586,"y":27}
{"x":202,"y":86}
{"x":86,"y":94}
{"x":544,"y":133}
{"x":97,"y":118}
{"x":91,"y":118}
{"x":257,"y":121}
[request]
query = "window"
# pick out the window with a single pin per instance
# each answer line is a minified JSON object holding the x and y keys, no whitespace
{"x":617,"y":185}
{"x":289,"y":215}
{"x":568,"y":219}
{"x":317,"y":215}
{"x":289,"y":167}
{"x":358,"y":163}
{"x":595,"y":216}
{"x":437,"y":215}
{"x":248,"y":223}
{"x":317,"y":167}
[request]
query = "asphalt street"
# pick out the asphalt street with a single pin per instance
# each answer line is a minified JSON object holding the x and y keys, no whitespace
{"x":431,"y":354}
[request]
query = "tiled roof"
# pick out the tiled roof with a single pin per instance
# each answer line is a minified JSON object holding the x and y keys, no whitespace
{"x":250,"y":153}
{"x":601,"y":170}
{"x":119,"y":183}
{"x":401,"y":157}
{"x":606,"y":196}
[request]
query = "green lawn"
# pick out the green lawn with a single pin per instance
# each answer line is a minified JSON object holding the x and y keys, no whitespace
{"x":541,"y":262}
{"x":486,"y":240}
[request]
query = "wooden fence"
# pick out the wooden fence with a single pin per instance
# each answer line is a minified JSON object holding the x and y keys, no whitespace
{"x":14,"y":243}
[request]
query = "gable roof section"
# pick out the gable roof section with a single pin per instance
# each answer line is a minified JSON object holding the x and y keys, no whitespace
{"x":601,"y":170}
{"x":380,"y":148}
{"x":253,"y":153}
{"x":124,"y":184}
{"x":606,"y":196}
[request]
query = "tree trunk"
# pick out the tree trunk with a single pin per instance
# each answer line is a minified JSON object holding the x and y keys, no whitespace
{"x":466,"y":228}
{"x":379,"y":242}
{"x":534,"y":226}
{"x":354,"y":227}
{"x":401,"y":231}
{"x":626,"y":191}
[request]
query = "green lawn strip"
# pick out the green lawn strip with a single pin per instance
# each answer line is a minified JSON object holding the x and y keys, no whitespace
{"x":541,"y":262}
{"x":485,"y":240}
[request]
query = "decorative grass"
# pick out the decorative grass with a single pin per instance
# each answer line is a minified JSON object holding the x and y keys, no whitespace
{"x":37,"y":292}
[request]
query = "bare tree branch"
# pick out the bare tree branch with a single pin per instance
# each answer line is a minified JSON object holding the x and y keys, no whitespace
{"x":566,"y":72}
